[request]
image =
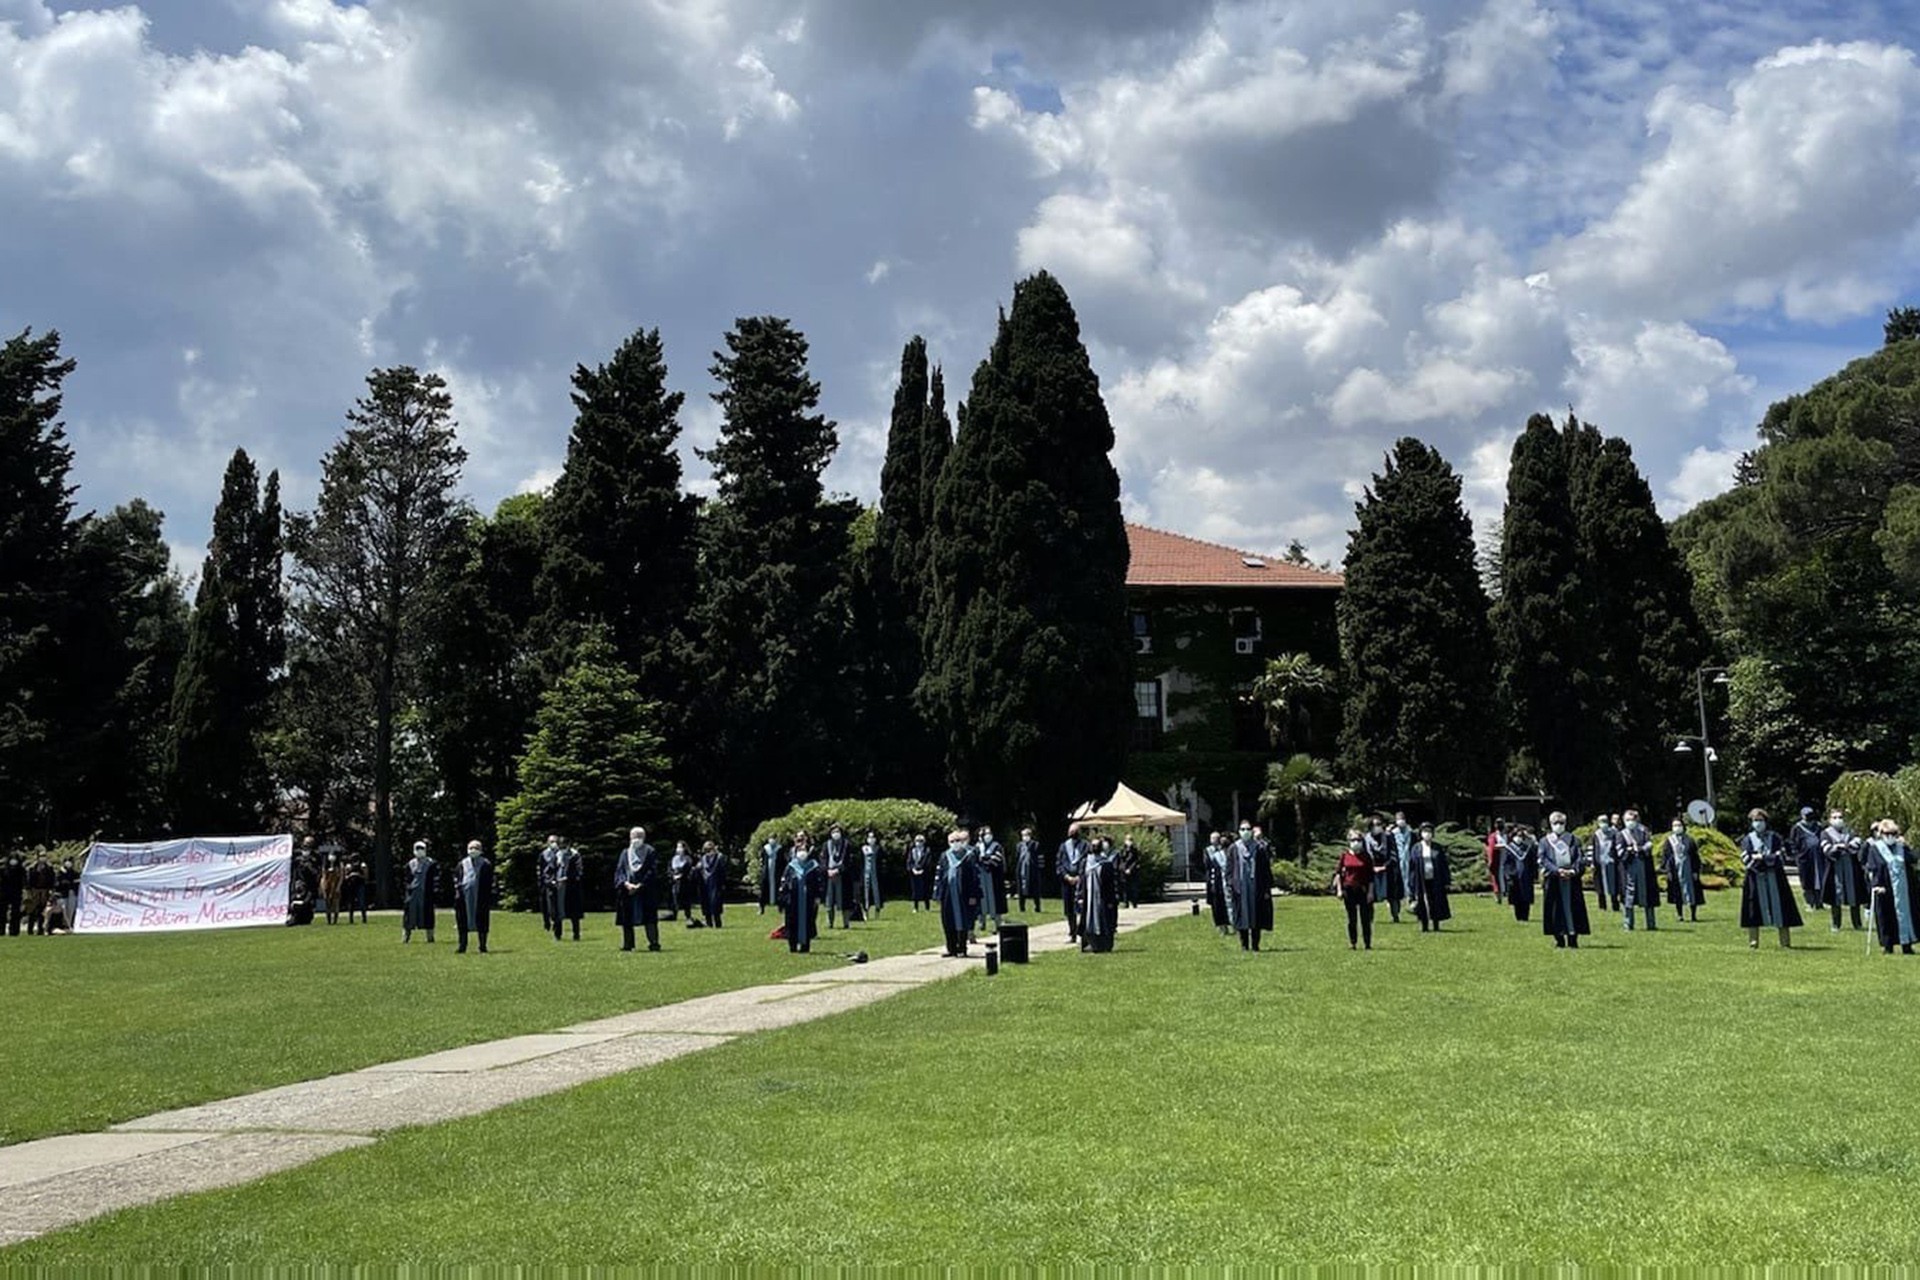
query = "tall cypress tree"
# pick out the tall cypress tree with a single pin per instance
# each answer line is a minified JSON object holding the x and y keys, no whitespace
{"x":1414,"y":636}
{"x":619,"y":530}
{"x":36,"y":541}
{"x":936,"y":443}
{"x":771,"y":617}
{"x":217,"y":777}
{"x":1543,"y":623}
{"x":1030,"y":678}
{"x":891,"y":606}
{"x":1649,"y":641}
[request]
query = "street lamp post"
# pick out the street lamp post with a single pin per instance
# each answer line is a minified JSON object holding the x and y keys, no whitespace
{"x":1706,"y":743}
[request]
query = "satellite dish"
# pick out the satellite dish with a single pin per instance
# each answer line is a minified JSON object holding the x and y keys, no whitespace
{"x":1700,"y":813}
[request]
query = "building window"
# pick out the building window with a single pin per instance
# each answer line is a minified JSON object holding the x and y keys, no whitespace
{"x":1249,"y":722}
{"x":1147,"y":715}
{"x":1142,"y":638}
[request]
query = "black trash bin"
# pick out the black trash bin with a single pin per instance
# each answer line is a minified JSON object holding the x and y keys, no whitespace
{"x":1013,"y":942}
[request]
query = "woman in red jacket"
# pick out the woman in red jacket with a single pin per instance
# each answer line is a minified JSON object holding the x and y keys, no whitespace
{"x":1353,"y":879}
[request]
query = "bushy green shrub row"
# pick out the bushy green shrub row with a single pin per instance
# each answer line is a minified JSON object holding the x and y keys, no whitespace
{"x":896,"y":822}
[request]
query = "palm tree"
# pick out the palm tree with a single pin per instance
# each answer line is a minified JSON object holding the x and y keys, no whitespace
{"x":1288,"y":691}
{"x":1302,"y":782}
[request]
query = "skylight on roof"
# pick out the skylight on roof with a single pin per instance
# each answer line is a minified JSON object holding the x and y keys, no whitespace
{"x":1253,"y":562}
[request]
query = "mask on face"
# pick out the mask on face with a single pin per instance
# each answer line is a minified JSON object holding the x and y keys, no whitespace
{"x":1678,"y":829}
{"x":1559,"y":828}
{"x":1839,"y":823}
{"x":1759,"y":826}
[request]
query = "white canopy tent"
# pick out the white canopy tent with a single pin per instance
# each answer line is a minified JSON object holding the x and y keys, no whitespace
{"x":1128,"y":808}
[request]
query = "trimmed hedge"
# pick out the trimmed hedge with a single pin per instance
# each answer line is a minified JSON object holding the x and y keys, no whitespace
{"x":896,"y":821}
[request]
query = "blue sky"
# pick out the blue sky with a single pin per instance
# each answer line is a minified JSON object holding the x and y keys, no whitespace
{"x":1293,"y":233}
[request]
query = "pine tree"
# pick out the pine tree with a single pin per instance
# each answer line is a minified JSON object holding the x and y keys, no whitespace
{"x":1031,"y":667}
{"x":1414,"y":636}
{"x":217,"y":776}
{"x":619,"y":532}
{"x":596,"y":765}
{"x":1543,"y":624}
{"x":36,"y":542}
{"x":387,"y":510}
{"x":771,"y":617}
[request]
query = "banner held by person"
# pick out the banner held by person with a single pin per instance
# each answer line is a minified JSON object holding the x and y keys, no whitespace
{"x":199,"y":883}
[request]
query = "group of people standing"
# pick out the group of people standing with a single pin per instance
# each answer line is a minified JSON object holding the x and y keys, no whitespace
{"x":37,"y":894}
{"x":1400,"y":866}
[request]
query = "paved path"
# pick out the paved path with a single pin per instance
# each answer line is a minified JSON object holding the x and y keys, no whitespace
{"x":56,"y":1182}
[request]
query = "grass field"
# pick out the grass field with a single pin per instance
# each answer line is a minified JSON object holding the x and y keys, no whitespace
{"x":117,"y":1027}
{"x":1475,"y":1096}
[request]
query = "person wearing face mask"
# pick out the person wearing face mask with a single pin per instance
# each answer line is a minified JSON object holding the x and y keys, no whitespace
{"x":1402,"y":838}
{"x":712,"y":874}
{"x":422,"y":878}
{"x":1068,"y":865}
{"x":473,"y":896}
{"x":1519,"y":870}
{"x":569,"y":889}
{"x":680,"y":882}
{"x":773,"y":872}
{"x":1809,"y":859}
{"x":1353,"y":881}
{"x":1896,"y":888}
{"x":991,"y":867}
{"x":1026,"y":869}
{"x":870,"y":874}
{"x":1638,"y":886}
{"x":1563,"y":915}
{"x":1099,"y":898}
{"x":920,"y":875}
{"x":1844,"y":881}
{"x":1766,"y":896}
{"x":1129,"y":863}
{"x":1388,"y":886}
{"x":1680,"y":863}
{"x":1432,"y":878}
{"x":1250,"y":888}
{"x":636,"y":879}
{"x":838,"y":862}
{"x":1216,"y":868}
{"x":801,"y":887}
{"x":957,"y":886}
{"x":1606,"y":880}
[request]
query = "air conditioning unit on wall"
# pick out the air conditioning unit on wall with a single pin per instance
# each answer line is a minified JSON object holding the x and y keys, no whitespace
{"x":1245,"y":644}
{"x":1143,"y":644}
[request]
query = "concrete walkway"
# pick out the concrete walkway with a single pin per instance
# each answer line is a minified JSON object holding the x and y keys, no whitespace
{"x":55,"y":1182}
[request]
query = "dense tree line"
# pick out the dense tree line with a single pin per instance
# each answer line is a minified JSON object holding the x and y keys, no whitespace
{"x":393,"y":664}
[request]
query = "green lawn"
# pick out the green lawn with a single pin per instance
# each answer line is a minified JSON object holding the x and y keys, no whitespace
{"x":1476,"y":1096}
{"x":109,"y":1028}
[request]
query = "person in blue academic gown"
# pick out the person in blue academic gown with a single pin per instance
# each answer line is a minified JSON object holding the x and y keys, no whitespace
{"x":1606,"y":877}
{"x":543,"y":880}
{"x":636,"y":890}
{"x":422,"y":879}
{"x":802,"y":886}
{"x":991,"y":867}
{"x":1026,"y":868}
{"x":957,"y":887}
{"x":837,"y":855}
{"x":1563,"y":909}
{"x":713,"y":885}
{"x":682,"y":884}
{"x":1432,"y":878}
{"x":1388,"y":887}
{"x":1680,"y":863}
{"x":1216,"y":868}
{"x":1766,"y":895}
{"x":921,"y":870}
{"x":473,"y":896}
{"x":1520,"y":870}
{"x":1401,"y":838}
{"x":1249,"y":888}
{"x":1844,"y":879}
{"x":1809,"y":859}
{"x":1895,"y":874}
{"x":1099,"y":901}
{"x":1638,"y":886}
{"x":870,"y":855}
{"x":1067,"y":866}
{"x":773,"y":867}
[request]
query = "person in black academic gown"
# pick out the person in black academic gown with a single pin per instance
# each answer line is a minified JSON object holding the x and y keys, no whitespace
{"x":1680,"y":865}
{"x":713,"y":885}
{"x":1216,"y":868}
{"x":956,"y":886}
{"x":1026,"y":869}
{"x":473,"y":896}
{"x":1432,"y":877}
{"x":773,"y":870}
{"x":802,"y":885}
{"x":1520,"y":869}
{"x":1766,"y":895}
{"x":636,"y":890}
{"x":1099,"y":898}
{"x":838,"y":857}
{"x":569,"y":889}
{"x":682,"y":882}
{"x":1067,"y":866}
{"x":1563,"y":914}
{"x":921,"y":872}
{"x":422,"y":878}
{"x":1388,"y":887}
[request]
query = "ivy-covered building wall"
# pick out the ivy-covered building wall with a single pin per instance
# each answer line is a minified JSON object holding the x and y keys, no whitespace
{"x":1205,"y":621}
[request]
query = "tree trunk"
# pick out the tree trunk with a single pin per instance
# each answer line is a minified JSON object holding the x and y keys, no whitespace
{"x":1300,"y":833}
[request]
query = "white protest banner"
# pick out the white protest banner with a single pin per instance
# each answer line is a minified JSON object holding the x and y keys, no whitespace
{"x":185,"y":884}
